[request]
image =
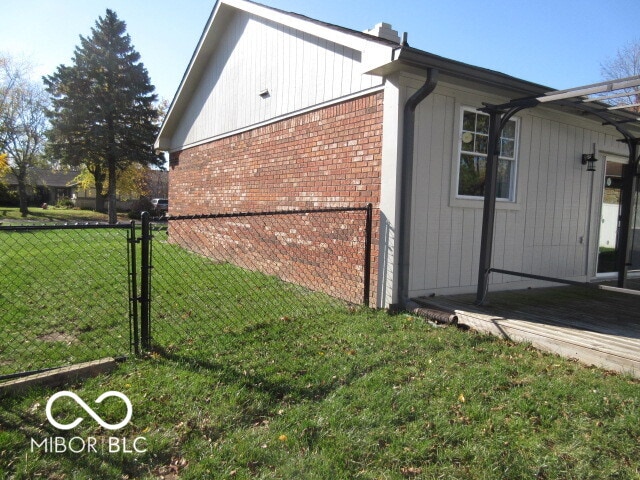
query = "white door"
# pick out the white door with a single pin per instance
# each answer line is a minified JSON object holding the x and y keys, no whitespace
{"x":611,"y":195}
{"x":610,"y":212}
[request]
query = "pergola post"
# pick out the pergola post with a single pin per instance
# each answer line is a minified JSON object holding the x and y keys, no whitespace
{"x":489,"y":208}
{"x":629,"y":192}
{"x":498,"y":118}
{"x":585,"y":100}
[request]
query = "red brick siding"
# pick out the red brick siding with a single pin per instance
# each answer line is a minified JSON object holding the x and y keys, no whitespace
{"x":322,"y":251}
{"x":329,"y":157}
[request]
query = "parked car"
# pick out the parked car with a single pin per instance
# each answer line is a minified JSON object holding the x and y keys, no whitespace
{"x":160,"y":206}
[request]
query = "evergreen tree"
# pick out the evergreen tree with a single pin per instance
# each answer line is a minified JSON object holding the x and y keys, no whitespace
{"x":103,"y":113}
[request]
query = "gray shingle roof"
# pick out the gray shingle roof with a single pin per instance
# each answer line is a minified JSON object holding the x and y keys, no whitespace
{"x":46,"y":177}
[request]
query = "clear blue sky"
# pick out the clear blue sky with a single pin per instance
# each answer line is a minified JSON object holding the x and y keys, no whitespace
{"x":558,"y":43}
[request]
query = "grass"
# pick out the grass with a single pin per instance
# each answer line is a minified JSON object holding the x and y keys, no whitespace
{"x":64,"y":297}
{"x":353,"y":394}
{"x":293,"y":389}
{"x":197,"y":301}
{"x":52,"y":214}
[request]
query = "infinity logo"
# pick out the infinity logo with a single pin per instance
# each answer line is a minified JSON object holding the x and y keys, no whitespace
{"x":88,"y":409}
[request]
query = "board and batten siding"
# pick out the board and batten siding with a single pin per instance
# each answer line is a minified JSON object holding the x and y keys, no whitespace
{"x":254,"y":54}
{"x":552,"y":227}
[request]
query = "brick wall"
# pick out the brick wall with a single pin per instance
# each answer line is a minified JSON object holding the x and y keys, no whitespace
{"x":329,"y":157}
{"x":320,"y":250}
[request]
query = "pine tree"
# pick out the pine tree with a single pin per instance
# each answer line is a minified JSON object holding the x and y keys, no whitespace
{"x":103,"y":113}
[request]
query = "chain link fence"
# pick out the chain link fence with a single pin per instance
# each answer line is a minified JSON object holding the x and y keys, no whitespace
{"x":63,"y":295}
{"x":216,"y":275}
{"x":76,"y":293}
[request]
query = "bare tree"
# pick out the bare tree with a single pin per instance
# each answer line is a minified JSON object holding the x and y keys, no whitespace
{"x":23,"y":123}
{"x":626,"y":63}
{"x":10,"y":76}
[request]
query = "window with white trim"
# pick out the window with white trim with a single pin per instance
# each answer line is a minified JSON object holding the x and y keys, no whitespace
{"x":474,"y":139}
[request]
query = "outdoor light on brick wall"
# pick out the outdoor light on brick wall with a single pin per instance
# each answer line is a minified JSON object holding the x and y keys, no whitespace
{"x":589,"y":159}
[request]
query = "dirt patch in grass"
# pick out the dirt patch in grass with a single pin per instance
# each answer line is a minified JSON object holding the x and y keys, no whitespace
{"x":58,"y":337}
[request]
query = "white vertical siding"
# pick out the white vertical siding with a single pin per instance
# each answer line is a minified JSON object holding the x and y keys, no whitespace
{"x":299,"y":70}
{"x":550,"y":230}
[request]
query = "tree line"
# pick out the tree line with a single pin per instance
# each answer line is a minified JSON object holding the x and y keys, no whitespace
{"x":99,"y":113}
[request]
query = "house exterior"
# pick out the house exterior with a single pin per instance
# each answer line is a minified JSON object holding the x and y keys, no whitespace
{"x":52,"y":185}
{"x":279,"y":111}
{"x":46,"y":185}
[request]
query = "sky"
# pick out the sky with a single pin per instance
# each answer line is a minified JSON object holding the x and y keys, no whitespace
{"x":557,"y":43}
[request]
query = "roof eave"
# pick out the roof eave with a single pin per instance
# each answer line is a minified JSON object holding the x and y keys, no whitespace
{"x":412,"y":60}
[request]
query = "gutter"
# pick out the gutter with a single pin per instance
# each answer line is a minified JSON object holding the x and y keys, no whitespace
{"x":413,"y":59}
{"x":406,"y":182}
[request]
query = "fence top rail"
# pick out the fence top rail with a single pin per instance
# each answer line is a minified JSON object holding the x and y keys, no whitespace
{"x":75,"y":226}
{"x":270,"y":213}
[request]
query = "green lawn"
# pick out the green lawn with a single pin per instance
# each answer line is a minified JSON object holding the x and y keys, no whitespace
{"x":64,"y":297}
{"x":37,"y":215}
{"x":347,"y":395}
{"x":295,"y":389}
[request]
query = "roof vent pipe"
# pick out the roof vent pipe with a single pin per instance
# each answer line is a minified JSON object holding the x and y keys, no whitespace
{"x":406,"y":182}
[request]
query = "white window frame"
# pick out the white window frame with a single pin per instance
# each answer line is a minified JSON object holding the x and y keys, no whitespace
{"x":514,"y":170}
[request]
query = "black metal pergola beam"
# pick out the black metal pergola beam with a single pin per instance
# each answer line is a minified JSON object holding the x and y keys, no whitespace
{"x":620,"y":120}
{"x":576,"y":98}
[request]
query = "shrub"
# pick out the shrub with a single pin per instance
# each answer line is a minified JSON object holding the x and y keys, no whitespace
{"x":8,"y":197}
{"x":65,"y":202}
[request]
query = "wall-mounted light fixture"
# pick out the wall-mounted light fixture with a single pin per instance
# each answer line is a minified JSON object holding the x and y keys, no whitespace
{"x":589,"y":159}
{"x":265,"y":93}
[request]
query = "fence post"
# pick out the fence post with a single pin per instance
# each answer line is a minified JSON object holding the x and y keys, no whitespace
{"x":145,"y":282}
{"x":367,"y":254}
{"x":133,"y":289}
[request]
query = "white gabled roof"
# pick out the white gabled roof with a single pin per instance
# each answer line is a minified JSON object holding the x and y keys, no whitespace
{"x":375,"y":50}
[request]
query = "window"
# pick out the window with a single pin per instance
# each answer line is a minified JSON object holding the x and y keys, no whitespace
{"x":474,"y":139}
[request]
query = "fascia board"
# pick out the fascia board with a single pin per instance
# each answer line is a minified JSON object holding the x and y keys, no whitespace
{"x":197,"y":63}
{"x":302,"y":24}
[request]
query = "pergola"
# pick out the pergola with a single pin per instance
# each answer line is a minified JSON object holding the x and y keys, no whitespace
{"x":590,"y":100}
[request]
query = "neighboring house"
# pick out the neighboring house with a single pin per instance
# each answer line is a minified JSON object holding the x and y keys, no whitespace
{"x":85,"y":199}
{"x":46,"y":185}
{"x":277,"y":110}
{"x":51,"y":185}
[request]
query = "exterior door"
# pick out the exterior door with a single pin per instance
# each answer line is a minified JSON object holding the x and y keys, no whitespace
{"x":608,"y":239}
